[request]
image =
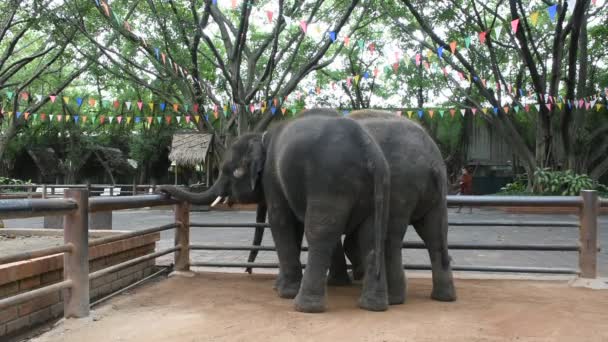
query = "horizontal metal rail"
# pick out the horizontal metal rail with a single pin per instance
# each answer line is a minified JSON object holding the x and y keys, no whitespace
{"x":19,"y":208}
{"x":131,"y":262}
{"x":544,"y":224}
{"x":68,"y":248}
{"x":26,"y":296}
{"x":128,"y":202}
{"x":516,"y":201}
{"x":114,"y":238}
{"x":411,"y":245}
{"x":501,"y":269}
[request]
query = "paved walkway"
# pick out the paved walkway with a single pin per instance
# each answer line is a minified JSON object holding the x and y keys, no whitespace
{"x":137,"y":219}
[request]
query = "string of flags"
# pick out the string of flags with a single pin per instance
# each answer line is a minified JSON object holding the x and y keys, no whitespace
{"x":127,"y":112}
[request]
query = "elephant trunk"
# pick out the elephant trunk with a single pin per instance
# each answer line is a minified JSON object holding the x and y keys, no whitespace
{"x":215,"y":192}
{"x":260,"y":217}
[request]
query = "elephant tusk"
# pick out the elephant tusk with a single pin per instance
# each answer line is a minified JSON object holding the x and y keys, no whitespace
{"x":217,"y":200}
{"x":226,"y":200}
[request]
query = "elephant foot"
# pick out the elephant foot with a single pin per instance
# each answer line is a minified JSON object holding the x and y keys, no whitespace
{"x":338,"y":280}
{"x":373,"y":303}
{"x":396,"y":299}
{"x":445,"y":293}
{"x":309,"y":303}
{"x":286,"y":288}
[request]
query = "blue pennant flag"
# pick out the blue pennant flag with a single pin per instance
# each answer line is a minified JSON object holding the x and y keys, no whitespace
{"x":163,"y":106}
{"x":215,"y":3}
{"x":137,"y":119}
{"x":552,"y":12}
{"x":156,"y":50}
{"x":475,"y":78}
{"x":345,"y":112}
{"x":420,"y":113}
{"x":207,"y":117}
{"x":440,"y":51}
{"x":234,"y":108}
{"x":76,"y":118}
{"x":79,"y":101}
{"x":366,"y":75}
{"x":97,"y":2}
{"x":273,"y":110}
{"x":332,"y":36}
{"x":521,"y":92}
{"x":18,"y":115}
{"x":495,"y":110}
{"x":311,"y":92}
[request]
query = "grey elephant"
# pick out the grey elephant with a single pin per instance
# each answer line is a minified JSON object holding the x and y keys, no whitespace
{"x":313,"y":174}
{"x":418,"y":197}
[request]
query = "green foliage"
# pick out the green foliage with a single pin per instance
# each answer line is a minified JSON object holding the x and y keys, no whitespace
{"x":548,"y":182}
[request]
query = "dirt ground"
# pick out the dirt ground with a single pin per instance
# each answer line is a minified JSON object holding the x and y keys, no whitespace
{"x":236,"y":307}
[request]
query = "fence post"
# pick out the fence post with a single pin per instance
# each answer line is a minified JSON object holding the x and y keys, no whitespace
{"x":44,"y":190}
{"x":76,"y":264}
{"x":588,"y":234}
{"x":182,"y":237}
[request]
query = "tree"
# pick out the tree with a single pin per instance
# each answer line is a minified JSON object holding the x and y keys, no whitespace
{"x":531,"y":55}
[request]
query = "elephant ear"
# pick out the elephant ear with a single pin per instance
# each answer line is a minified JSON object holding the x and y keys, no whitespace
{"x":256,"y":155}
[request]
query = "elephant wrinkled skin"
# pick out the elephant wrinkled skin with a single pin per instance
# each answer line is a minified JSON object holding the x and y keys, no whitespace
{"x":319,"y":176}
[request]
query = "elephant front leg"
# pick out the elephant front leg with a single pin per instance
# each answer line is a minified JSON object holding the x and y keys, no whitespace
{"x":287,"y":236}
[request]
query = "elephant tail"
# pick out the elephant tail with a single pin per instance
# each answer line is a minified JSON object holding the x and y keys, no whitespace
{"x":258,"y":235}
{"x":382,"y":188}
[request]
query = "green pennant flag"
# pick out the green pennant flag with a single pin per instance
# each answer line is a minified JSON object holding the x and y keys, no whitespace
{"x":105,"y":103}
{"x":9,"y":94}
{"x":516,"y":109}
{"x":293,"y":111}
{"x":467,"y":41}
{"x":361,"y":44}
{"x":93,"y":118}
{"x":441,"y":113}
{"x":159,"y":119}
{"x":186,"y":107}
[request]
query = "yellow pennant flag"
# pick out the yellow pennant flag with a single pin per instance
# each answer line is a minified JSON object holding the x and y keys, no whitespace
{"x":66,"y":99}
{"x":197,"y":118}
{"x":484,"y":110}
{"x":10,"y":114}
{"x":409,"y":113}
{"x":534,"y":17}
{"x":559,"y":105}
{"x":128,"y":120}
{"x":598,"y":106}
{"x":151,"y":105}
{"x":357,"y":77}
{"x":67,"y":118}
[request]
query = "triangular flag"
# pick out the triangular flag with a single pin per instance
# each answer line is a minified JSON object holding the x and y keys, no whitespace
{"x":92,"y":102}
{"x":140,"y":104}
{"x":440,"y":51}
{"x":26,"y":115}
{"x":497,"y":31}
{"x":537,"y":108}
{"x":175,"y":107}
{"x":552,"y":12}
{"x":467,"y":41}
{"x":168,"y":119}
{"x":463,"y":112}
{"x":303,"y":25}
{"x":346,"y":40}
{"x":149,"y":118}
{"x":116,"y":104}
{"x":119,"y":118}
{"x":151,"y":105}
{"x":10,"y":94}
{"x":25,"y":96}
{"x":51,"y":117}
{"x":197,"y":118}
{"x":548,"y":106}
{"x":163,"y":106}
{"x":188,"y":117}
{"x":179,"y":119}
{"x":534,"y":17}
{"x":482,"y":37}
{"x":128,"y":120}
{"x":361,"y":44}
{"x":514,"y":25}
{"x":38,"y":98}
{"x":76,"y":117}
{"x":269,"y":15}
{"x":431,"y":113}
{"x":441,"y":112}
{"x":420,"y":113}
{"x":409,"y":113}
{"x":66,"y":99}
{"x":137,"y":119}
{"x":84,"y":119}
{"x":332,"y":36}
{"x":474,"y":110}
{"x":452,"y":112}
{"x":128,"y":105}
{"x":159,"y":120}
{"x":59,"y":118}
{"x":111,"y":118}
{"x":453,"y":46}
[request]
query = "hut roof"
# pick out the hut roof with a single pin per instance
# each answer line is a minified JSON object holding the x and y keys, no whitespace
{"x":114,"y":158}
{"x":190,"y":148}
{"x":46,"y":160}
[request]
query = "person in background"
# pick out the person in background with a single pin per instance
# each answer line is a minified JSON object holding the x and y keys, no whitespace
{"x":466,"y":186}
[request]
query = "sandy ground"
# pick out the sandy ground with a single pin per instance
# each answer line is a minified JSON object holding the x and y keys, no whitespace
{"x":231,"y":307}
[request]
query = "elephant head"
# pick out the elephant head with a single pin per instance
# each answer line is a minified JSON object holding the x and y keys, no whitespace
{"x":240,"y":176}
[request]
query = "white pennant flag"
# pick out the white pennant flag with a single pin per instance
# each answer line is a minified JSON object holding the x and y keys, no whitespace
{"x":179,"y":119}
{"x":288,"y":20}
{"x":51,"y":116}
{"x":463,"y":111}
{"x":128,"y":105}
{"x":537,"y":108}
{"x":38,"y":98}
{"x":111,"y":118}
{"x":593,"y":102}
{"x":497,"y":30}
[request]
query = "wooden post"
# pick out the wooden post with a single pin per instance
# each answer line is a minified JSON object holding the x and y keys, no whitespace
{"x":76,"y":264}
{"x":182,"y":237}
{"x":588,"y":234}
{"x":44,"y":190}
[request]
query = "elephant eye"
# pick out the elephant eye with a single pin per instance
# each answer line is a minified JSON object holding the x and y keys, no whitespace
{"x":238,"y":173}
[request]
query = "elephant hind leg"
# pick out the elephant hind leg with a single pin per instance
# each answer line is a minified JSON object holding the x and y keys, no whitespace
{"x":374,"y":295}
{"x":338,"y":274}
{"x":395,"y":275}
{"x":433,"y":230}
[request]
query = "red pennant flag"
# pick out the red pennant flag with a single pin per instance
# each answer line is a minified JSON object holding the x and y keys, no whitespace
{"x":514,"y":25}
{"x":453,"y":47}
{"x":196,"y":108}
{"x":102,"y":119}
{"x":527,"y":108}
{"x":372,"y":47}
{"x":116,"y":104}
{"x":168,"y":119}
{"x":304,"y":25}
{"x":140,"y":104}
{"x":482,"y":37}
{"x":269,"y":15}
{"x":395,"y":67}
{"x":346,"y":40}
{"x":149,"y":120}
{"x":53,"y":97}
{"x":43,"y":117}
{"x":452,"y":112}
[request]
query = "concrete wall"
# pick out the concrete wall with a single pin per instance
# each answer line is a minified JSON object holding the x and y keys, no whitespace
{"x":28,"y":275}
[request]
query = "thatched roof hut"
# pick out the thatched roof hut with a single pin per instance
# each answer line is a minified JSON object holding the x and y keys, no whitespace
{"x":190,"y":149}
{"x":47,"y":163}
